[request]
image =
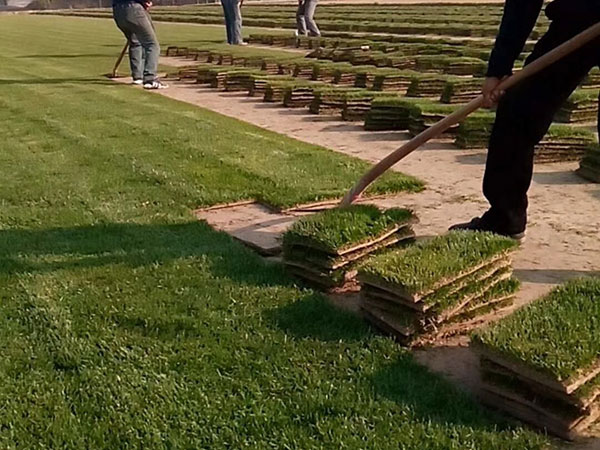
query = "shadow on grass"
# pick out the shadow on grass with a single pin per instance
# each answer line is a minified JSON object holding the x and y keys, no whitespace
{"x":431,"y":398}
{"x":427,"y":397}
{"x":135,"y":245}
{"x":314,"y":317}
{"x":68,"y":56}
{"x":28,"y":81}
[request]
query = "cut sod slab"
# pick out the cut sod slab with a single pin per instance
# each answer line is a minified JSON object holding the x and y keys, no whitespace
{"x":589,"y":168}
{"x":324,"y":248}
{"x":330,"y":100}
{"x":437,"y":287}
{"x":581,"y":107}
{"x":542,"y":364}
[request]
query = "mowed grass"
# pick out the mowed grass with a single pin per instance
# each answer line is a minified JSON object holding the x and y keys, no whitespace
{"x":125,"y":323}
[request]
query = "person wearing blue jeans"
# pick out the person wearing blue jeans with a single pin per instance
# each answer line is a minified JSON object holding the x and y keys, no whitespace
{"x":305,"y":18}
{"x":232,"y":10}
{"x":134,"y":21}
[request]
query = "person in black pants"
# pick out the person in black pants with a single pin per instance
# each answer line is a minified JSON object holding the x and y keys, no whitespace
{"x":525,"y":112}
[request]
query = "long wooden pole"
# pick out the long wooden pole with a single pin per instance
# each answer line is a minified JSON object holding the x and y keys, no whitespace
{"x":115,"y":70}
{"x":539,"y":64}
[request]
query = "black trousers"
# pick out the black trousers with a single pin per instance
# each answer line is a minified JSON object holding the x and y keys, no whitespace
{"x":523,"y":117}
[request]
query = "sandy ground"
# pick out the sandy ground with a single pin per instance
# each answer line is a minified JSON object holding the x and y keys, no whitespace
{"x":562,"y":241}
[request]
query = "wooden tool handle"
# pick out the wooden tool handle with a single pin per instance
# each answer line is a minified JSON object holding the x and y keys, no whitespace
{"x":119,"y":59}
{"x":536,"y":66}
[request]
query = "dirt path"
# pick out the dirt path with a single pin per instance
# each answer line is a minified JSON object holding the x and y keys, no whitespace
{"x":562,"y":241}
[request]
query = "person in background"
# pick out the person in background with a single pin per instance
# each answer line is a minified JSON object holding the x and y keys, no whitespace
{"x":134,"y":21}
{"x":305,"y":20}
{"x":233,"y":21}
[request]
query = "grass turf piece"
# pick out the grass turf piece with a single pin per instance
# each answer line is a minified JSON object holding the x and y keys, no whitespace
{"x":557,"y":335}
{"x":426,"y":267}
{"x":337,"y":230}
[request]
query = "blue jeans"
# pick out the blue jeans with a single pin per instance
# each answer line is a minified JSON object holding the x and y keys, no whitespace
{"x":233,"y":21}
{"x":144,"y":50}
{"x":305,"y":18}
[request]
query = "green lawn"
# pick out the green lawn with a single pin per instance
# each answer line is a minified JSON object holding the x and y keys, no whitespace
{"x":125,"y":323}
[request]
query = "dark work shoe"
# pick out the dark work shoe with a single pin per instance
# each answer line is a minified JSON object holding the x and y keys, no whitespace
{"x":478,"y":224}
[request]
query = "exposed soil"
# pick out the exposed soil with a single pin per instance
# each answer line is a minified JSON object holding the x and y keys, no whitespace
{"x":562,"y":241}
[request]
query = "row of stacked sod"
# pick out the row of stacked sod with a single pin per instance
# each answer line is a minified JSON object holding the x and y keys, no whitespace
{"x":440,"y":287}
{"x":325,"y":248}
{"x":581,"y":106}
{"x":542,"y":364}
{"x":561,"y":143}
{"x":589,"y":167}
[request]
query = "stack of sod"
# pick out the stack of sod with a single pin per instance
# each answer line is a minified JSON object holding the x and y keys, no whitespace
{"x":451,"y":65}
{"x":327,"y":72}
{"x":258,"y":84}
{"x":357,"y":105}
{"x":241,"y":80}
{"x":563,"y":143}
{"x":203,"y":56}
{"x":425,"y":115}
{"x":441,"y":287}
{"x":592,"y":81}
{"x":274,"y":90}
{"x":589,"y":168}
{"x":347,"y":76}
{"x":225,"y":59}
{"x":188,"y":73}
{"x":287,"y":68}
{"x":426,"y":86}
{"x":330,"y":100}
{"x":581,"y":107}
{"x":542,"y":363}
{"x":399,"y":61}
{"x":182,"y":51}
{"x":298,"y":95}
{"x":216,"y":76}
{"x":393,"y":80}
{"x":325,"y":248}
{"x":304,"y":70}
{"x":475,"y":130}
{"x":393,"y":113}
{"x":460,"y":90}
{"x":171,"y":50}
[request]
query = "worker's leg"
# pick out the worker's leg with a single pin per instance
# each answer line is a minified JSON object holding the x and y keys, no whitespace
{"x":136,"y":58}
{"x":228,"y":19}
{"x":135,"y":48}
{"x":522,"y":119}
{"x":309,"y":17}
{"x":236,"y":30}
{"x":300,"y":21}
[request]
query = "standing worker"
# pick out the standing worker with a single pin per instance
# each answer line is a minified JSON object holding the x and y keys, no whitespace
{"x":525,"y":112}
{"x":305,"y":18}
{"x":134,"y":21}
{"x":233,"y":21}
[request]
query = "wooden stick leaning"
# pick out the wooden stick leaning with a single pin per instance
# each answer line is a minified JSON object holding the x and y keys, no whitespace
{"x":115,"y":71}
{"x":536,"y":66}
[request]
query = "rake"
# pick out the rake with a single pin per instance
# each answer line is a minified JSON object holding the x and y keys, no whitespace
{"x":538,"y":65}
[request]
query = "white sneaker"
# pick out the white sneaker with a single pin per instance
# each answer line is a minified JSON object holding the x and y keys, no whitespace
{"x":155,"y":85}
{"x":138,"y":82}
